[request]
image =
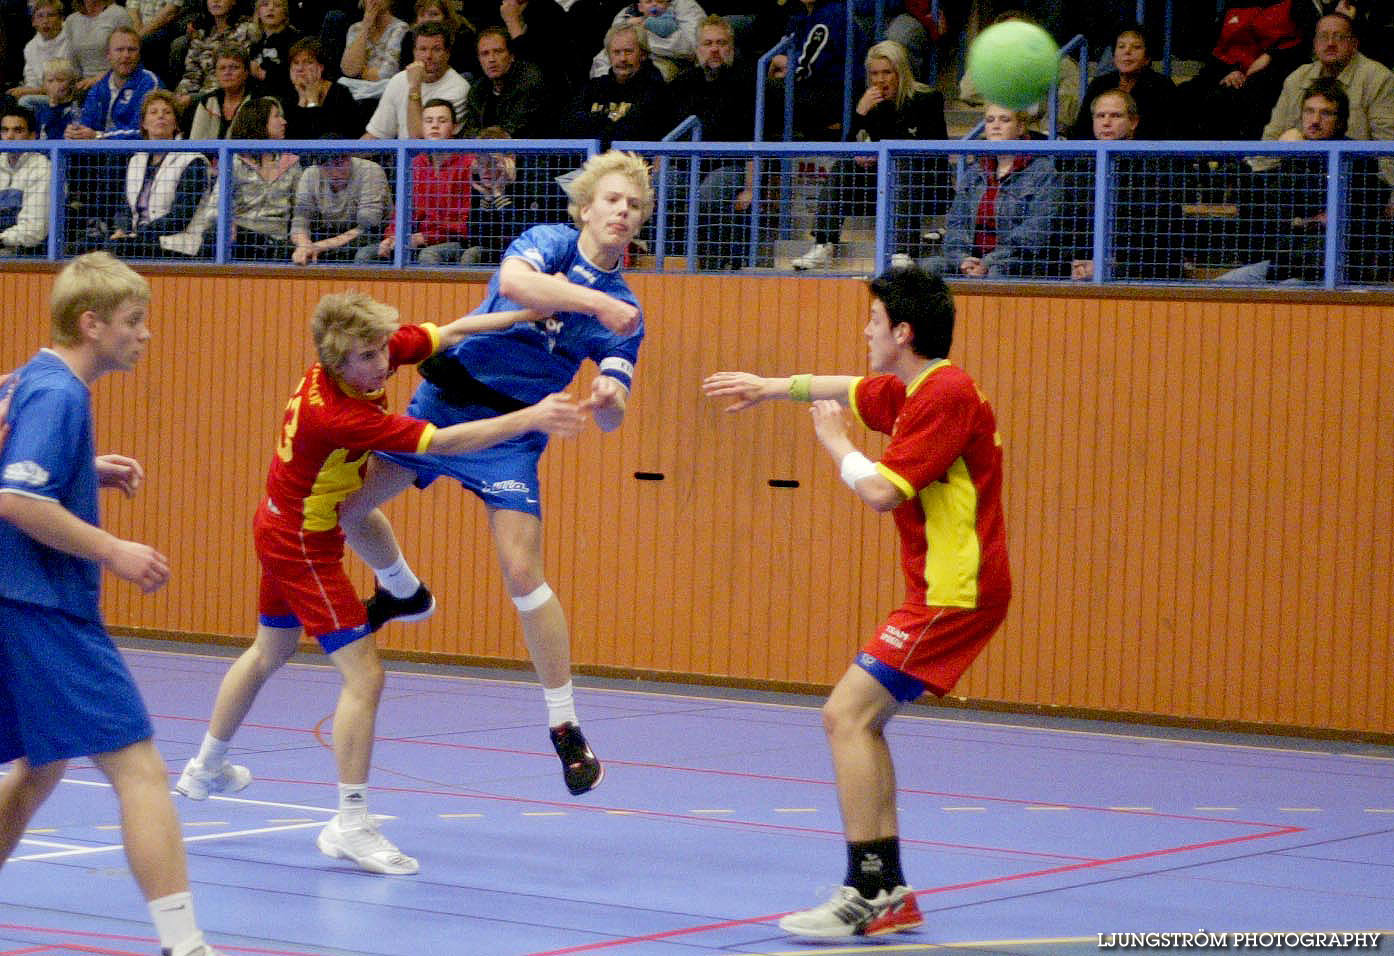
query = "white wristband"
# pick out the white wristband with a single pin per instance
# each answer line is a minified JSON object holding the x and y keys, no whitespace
{"x":855,"y":467}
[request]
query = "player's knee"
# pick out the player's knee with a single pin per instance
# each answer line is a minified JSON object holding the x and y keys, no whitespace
{"x":366,"y":679}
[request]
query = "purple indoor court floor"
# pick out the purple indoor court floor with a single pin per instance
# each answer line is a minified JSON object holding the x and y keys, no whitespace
{"x":716,"y":816}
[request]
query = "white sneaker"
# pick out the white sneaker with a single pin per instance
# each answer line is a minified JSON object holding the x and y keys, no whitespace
{"x":848,"y":913}
{"x":900,"y":260}
{"x":365,"y":846}
{"x":819,"y":256}
{"x":197,"y":782}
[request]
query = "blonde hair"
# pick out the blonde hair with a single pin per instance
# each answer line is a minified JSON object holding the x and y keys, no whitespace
{"x":96,"y":282}
{"x":61,"y":68}
{"x":581,"y":191}
{"x":345,"y":320}
{"x":894,"y":54}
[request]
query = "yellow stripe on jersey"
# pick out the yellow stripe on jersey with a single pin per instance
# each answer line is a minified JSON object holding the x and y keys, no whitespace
{"x":424,"y":444}
{"x":433,"y":331}
{"x":906,"y":489}
{"x":951,"y":528}
{"x":852,"y":401}
{"x":337,"y":479}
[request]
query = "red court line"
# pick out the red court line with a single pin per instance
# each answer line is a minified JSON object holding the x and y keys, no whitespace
{"x":974,"y":884}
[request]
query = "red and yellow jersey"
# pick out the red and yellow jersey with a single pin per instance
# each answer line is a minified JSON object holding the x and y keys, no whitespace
{"x":945,"y":456}
{"x":328,"y":431}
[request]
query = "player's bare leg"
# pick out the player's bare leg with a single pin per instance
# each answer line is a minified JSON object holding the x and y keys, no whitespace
{"x":209,"y":770}
{"x":149,"y":826}
{"x":22,"y":791}
{"x":353,"y":833}
{"x":400,"y":596}
{"x":518,"y":543}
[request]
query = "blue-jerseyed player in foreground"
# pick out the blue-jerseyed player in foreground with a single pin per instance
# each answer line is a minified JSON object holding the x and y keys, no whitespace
{"x":572,"y":275}
{"x":64,"y":690}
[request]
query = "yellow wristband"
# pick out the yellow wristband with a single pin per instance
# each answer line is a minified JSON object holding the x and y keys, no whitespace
{"x":801,"y":388}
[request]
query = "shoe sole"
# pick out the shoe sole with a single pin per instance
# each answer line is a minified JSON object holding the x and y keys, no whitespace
{"x":204,"y":792}
{"x":593,"y":784}
{"x":335,"y":852}
{"x":408,"y":618}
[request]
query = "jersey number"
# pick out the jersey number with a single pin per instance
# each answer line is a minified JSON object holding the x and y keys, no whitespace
{"x":284,"y":449}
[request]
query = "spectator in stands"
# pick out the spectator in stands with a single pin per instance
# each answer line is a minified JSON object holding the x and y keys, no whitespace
{"x":440,"y":199}
{"x":629,"y":102}
{"x":1132,"y":73}
{"x":374,"y":46}
{"x":1067,"y":83}
{"x":167,"y":195}
{"x":1259,"y":44}
{"x":263,"y":186}
{"x":463,"y":36}
{"x":757,"y":24}
{"x":920,"y":27}
{"x":214,"y":114}
{"x":494,"y":217}
{"x":221,"y":22}
{"x":999,"y":221}
{"x":62,"y":108}
{"x":719,"y":91}
{"x":87,"y":29}
{"x":511,"y":94}
{"x":1368,"y":85}
{"x":429,"y":76}
{"x":112,"y":108}
{"x":894,"y":106}
{"x":341,"y":205}
{"x":157,"y":22}
{"x":537,"y":33}
{"x":270,"y":51}
{"x":24,"y":188}
{"x":48,"y":43}
{"x":318,"y":108}
{"x":669,"y":29}
{"x":1287,"y":203}
{"x":819,"y":28}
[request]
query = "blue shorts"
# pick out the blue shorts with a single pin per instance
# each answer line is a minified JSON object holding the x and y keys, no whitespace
{"x":504,"y":476}
{"x":65,"y":692}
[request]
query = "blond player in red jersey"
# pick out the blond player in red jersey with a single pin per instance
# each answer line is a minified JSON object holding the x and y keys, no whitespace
{"x":335,"y":418}
{"x":941,"y":477}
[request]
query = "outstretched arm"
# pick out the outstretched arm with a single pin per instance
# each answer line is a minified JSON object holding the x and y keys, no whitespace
{"x":522,"y":283}
{"x":747,"y":389}
{"x":466,"y":325}
{"x":556,"y":414}
{"x":857,"y":470}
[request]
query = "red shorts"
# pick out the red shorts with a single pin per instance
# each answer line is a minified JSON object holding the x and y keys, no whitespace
{"x":933,"y":645}
{"x":303,"y":582}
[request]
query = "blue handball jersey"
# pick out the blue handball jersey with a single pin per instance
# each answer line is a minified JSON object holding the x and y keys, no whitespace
{"x":529,"y":361}
{"x":50,"y":454}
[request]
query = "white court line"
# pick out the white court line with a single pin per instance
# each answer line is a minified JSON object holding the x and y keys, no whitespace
{"x":88,"y":851}
{"x":245,"y":800}
{"x":50,"y":843}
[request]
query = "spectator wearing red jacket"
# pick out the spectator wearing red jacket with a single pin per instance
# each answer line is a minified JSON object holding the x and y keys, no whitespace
{"x":440,"y":198}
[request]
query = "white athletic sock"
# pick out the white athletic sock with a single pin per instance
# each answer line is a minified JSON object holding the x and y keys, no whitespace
{"x":561,"y":705}
{"x":175,"y":923}
{"x":398,"y":578}
{"x":353,"y":804}
{"x":213,"y":753}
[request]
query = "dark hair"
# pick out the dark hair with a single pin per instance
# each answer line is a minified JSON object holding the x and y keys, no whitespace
{"x":495,"y":31}
{"x":250,"y":121}
{"x":229,"y":50}
{"x":1350,"y":22}
{"x":310,"y":45}
{"x":1139,"y":31}
{"x":441,"y":101}
{"x":914,"y":297}
{"x":432,"y":29}
{"x":24,"y":113}
{"x":1331,"y":88}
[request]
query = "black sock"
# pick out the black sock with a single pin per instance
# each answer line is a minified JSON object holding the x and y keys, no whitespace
{"x":873,"y":866}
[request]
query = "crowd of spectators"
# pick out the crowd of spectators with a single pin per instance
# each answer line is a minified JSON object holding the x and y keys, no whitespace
{"x":611,"y":70}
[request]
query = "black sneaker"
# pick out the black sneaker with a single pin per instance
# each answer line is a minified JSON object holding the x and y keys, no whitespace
{"x":580,"y":769}
{"x":383,"y":607}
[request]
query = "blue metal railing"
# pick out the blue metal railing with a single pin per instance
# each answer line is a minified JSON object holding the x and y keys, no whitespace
{"x":890,"y":156}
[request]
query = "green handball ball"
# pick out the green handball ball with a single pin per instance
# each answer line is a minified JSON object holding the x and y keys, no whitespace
{"x":1013,"y":64}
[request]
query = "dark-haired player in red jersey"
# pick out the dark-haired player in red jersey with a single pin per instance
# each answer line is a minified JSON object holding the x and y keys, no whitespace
{"x":941,"y":477}
{"x":335,"y":418}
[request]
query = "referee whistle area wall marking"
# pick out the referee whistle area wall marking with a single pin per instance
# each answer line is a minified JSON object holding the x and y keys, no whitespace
{"x":784,"y":483}
{"x":649,"y":475}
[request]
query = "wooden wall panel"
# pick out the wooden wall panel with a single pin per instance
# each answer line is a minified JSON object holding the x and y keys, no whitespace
{"x":1198,"y":492}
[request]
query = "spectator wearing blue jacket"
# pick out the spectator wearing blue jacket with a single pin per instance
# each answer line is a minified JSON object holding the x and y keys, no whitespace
{"x":112,"y":107}
{"x":821,"y":38}
{"x":999,"y":222}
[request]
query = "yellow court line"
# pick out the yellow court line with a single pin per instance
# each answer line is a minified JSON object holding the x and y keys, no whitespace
{"x":795,"y":809}
{"x":544,"y":813}
{"x":711,"y":811}
{"x":460,"y":816}
{"x":206,"y":823}
{"x":1299,"y":810}
{"x":1379,"y":810}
